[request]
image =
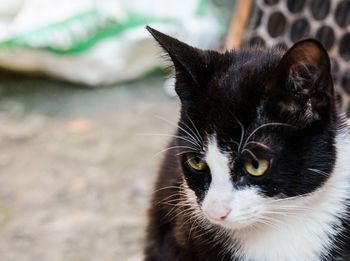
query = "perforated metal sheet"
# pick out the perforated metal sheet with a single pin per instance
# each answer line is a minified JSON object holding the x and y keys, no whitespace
{"x":284,"y":22}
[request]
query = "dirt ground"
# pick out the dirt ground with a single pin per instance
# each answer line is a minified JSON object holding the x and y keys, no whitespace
{"x":76,"y":168}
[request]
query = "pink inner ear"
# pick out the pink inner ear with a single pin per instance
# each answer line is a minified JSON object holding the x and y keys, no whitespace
{"x":308,"y":52}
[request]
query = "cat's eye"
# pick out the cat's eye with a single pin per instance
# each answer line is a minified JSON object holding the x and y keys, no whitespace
{"x":257,"y":167}
{"x":196,"y":162}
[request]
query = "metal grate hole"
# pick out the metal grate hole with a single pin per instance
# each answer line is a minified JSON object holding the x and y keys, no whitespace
{"x":257,"y":41}
{"x":342,"y":14}
{"x":319,"y":8}
{"x":339,"y":99}
{"x":300,"y":29}
{"x":295,"y":6}
{"x":334,"y":69}
{"x":271,"y":2}
{"x":345,"y":81}
{"x":344,"y":47}
{"x":326,"y":36}
{"x":282,"y":46}
{"x":277,"y":24}
{"x":257,"y":19}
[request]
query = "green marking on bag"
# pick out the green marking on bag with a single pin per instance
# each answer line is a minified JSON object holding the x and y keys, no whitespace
{"x":79,"y":33}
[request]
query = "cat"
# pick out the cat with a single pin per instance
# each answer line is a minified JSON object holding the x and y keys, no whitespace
{"x":259,"y":168}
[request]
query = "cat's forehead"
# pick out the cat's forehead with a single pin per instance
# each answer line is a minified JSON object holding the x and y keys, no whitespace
{"x":237,"y":86}
{"x":255,"y":58}
{"x":238,"y":82}
{"x":248,"y":67}
{"x":234,"y":96}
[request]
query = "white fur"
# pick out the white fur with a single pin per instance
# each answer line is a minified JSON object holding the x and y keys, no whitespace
{"x":294,"y":234}
{"x":216,"y":202}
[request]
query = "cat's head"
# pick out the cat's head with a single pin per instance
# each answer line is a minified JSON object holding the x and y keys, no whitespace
{"x":257,"y":128}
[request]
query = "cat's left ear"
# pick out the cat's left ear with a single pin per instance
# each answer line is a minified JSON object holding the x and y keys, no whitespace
{"x":302,"y":87}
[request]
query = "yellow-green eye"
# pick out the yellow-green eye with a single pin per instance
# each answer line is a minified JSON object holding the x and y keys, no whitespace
{"x":196,"y":162}
{"x":257,"y":167}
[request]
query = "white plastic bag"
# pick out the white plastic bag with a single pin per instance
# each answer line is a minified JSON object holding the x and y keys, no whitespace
{"x":98,"y":42}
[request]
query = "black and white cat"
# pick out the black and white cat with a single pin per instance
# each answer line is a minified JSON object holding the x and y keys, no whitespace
{"x":259,"y":169}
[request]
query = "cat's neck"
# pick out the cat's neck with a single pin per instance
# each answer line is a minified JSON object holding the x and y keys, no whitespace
{"x":306,"y":234}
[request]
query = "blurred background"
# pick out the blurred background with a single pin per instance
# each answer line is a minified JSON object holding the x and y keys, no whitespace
{"x":86,"y":104}
{"x":82,"y":86}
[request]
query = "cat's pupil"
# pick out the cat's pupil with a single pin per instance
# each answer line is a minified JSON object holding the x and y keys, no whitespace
{"x":197,"y":160}
{"x":255,"y":164}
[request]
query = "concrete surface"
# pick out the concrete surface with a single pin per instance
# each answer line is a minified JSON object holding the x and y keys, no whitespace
{"x":76,"y":171}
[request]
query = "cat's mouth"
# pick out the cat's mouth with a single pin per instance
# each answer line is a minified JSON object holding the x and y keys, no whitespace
{"x":235,"y":209}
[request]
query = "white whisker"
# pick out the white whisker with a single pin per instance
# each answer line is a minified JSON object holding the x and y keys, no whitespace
{"x":181,"y":128}
{"x":251,"y":153}
{"x":189,"y":140}
{"x":242,"y":132}
{"x":175,"y":147}
{"x":259,"y":144}
{"x":194,"y":126}
{"x":266,"y":125}
{"x":318,"y":172}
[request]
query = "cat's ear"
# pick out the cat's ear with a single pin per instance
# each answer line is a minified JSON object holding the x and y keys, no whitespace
{"x":301,"y":86}
{"x":188,"y":62}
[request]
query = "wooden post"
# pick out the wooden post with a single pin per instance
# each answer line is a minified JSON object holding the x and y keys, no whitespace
{"x":238,"y":24}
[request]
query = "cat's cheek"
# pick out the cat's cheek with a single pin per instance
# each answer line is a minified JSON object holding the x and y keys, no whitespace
{"x":198,"y":183}
{"x":247,"y":208}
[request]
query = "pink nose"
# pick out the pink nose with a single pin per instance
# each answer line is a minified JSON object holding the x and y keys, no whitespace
{"x":218,"y":214}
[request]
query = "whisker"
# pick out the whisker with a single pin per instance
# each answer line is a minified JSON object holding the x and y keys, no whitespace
{"x":178,"y":204}
{"x":169,"y":213}
{"x":193,"y":223}
{"x":163,"y":188}
{"x":193,"y":135}
{"x":242,"y":132}
{"x":174,"y":208}
{"x":194,"y":126}
{"x":272,"y":222}
{"x":189,"y":151}
{"x":291,"y":207}
{"x":282,"y":213}
{"x":205,"y":231}
{"x":259,"y":144}
{"x":251,"y":153}
{"x":318,"y":172}
{"x":174,"y":147}
{"x":274,"y":200}
{"x":182,"y":212}
{"x":189,"y":218}
{"x":173,"y":136}
{"x":178,"y":126}
{"x":169,"y":199}
{"x":267,"y":125}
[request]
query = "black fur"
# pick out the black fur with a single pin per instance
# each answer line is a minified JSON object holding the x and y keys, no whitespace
{"x":254,"y":87}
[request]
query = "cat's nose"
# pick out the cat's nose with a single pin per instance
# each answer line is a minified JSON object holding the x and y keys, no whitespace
{"x":218,"y":213}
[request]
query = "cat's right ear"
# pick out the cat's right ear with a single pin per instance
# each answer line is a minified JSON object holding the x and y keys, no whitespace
{"x":301,"y":89}
{"x":188,"y":61}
